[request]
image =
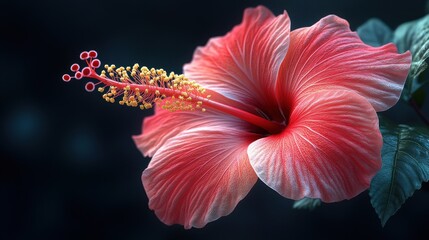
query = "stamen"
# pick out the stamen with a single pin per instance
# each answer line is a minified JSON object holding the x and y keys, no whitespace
{"x":140,"y":86}
{"x":143,"y":88}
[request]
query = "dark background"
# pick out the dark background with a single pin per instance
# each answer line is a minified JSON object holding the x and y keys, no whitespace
{"x":69,"y":169}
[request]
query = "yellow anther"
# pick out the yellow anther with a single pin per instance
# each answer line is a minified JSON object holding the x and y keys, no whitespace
{"x":152,"y":83}
{"x":164,"y":77}
{"x":147,"y":105}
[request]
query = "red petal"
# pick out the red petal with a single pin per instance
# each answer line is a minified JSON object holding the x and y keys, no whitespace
{"x":243,"y":65}
{"x":199,"y":176}
{"x":329,"y":54}
{"x":164,"y":125}
{"x":330,"y":150}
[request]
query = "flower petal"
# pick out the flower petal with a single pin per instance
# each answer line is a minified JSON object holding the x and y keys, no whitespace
{"x":330,"y":150}
{"x":162,"y":126}
{"x":243,"y":65}
{"x":199,"y":175}
{"x":329,"y":54}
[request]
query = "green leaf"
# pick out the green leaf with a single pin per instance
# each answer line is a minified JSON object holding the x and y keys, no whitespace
{"x":307,"y":203}
{"x":405,"y":156}
{"x":414,"y":36}
{"x":375,"y":33}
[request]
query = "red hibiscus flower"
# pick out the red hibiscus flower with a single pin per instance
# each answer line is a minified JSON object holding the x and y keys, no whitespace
{"x":296,"y":109}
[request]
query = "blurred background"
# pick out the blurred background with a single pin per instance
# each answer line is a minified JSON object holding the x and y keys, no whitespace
{"x":69,"y":168}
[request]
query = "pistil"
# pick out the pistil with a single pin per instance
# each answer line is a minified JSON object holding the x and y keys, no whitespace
{"x":147,"y":87}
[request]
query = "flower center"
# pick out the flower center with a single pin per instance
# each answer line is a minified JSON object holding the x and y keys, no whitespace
{"x":143,"y":87}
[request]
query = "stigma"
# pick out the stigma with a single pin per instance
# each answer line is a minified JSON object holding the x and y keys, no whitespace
{"x":140,"y":87}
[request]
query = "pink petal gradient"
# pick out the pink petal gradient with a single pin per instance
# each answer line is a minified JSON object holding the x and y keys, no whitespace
{"x":322,"y":82}
{"x":199,"y":175}
{"x":164,"y":125}
{"x":243,"y":65}
{"x":329,"y":54}
{"x":330,"y":150}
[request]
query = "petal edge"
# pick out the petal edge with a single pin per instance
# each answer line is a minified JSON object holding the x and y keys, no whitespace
{"x":330,"y":54}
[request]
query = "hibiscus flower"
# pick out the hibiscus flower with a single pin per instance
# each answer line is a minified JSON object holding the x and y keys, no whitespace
{"x":295,"y":109}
